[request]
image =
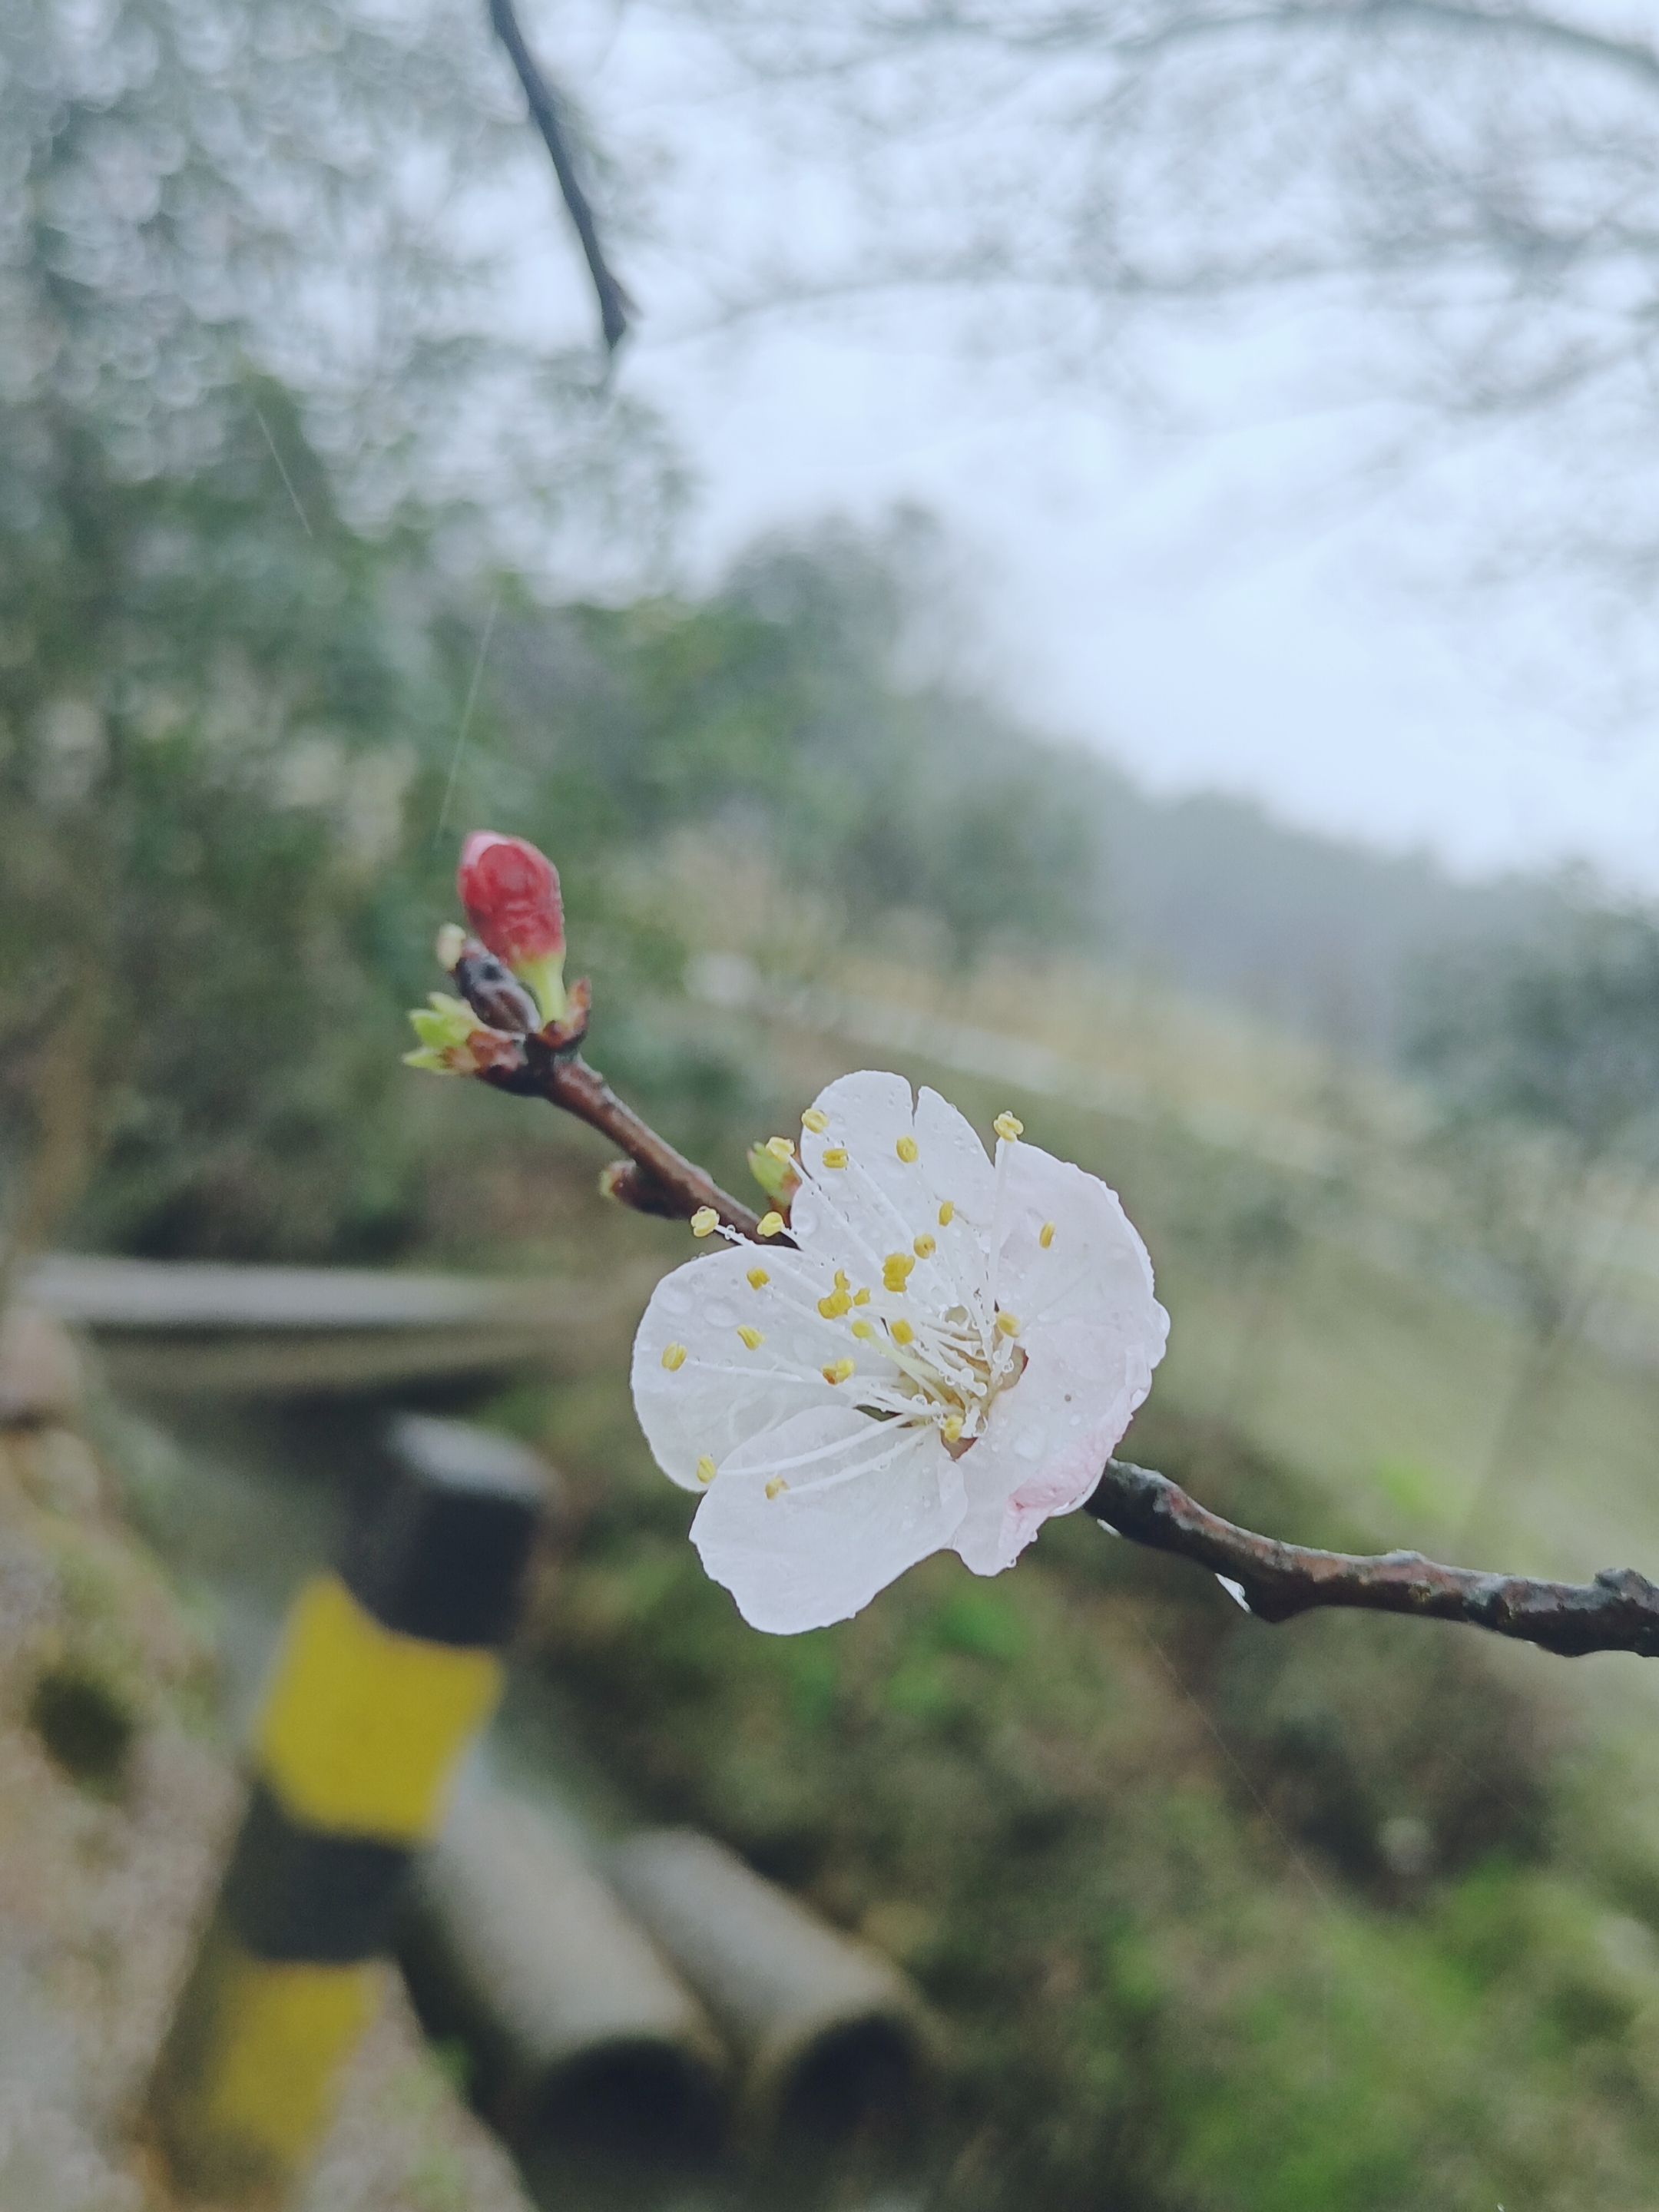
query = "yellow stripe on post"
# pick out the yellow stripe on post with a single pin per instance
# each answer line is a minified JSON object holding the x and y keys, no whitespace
{"x":363,"y":1726}
{"x":385,"y":1672}
{"x":248,"y":2090}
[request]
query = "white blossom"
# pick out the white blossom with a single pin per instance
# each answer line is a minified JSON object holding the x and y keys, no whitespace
{"x":949,"y":1356}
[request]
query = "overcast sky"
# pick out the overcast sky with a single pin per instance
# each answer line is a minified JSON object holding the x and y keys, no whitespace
{"x":1229,"y":609}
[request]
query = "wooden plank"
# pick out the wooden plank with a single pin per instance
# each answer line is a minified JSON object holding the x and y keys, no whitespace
{"x":194,"y":1327}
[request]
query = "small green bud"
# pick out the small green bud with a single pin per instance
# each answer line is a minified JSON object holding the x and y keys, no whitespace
{"x":779,"y":1178}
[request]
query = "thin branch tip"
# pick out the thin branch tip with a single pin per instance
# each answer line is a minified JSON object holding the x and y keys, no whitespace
{"x":616,"y":308}
{"x":1618,"y":1611}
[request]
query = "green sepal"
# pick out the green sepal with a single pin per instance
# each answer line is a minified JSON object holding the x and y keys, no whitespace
{"x":544,"y":979}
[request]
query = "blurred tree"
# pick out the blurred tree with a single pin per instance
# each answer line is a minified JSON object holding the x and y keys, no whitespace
{"x":212,"y":720}
{"x":1546,"y":1055}
{"x":801,"y":708}
{"x":304,"y":186}
{"x":254,"y":408}
{"x":1073,"y":176}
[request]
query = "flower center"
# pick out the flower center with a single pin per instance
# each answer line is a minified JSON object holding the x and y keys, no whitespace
{"x":950,"y":1371}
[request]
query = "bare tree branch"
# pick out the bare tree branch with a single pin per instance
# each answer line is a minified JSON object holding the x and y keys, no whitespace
{"x":660,"y":1179}
{"x":1617,"y":1612}
{"x":1633,"y":56}
{"x":1482,"y":173}
{"x":1103,"y":30}
{"x":615,"y":305}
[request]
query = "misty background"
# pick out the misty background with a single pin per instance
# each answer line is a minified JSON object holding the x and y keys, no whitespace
{"x":1111,"y":574}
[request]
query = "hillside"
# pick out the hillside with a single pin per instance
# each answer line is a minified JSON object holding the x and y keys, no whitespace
{"x":1324,"y":936}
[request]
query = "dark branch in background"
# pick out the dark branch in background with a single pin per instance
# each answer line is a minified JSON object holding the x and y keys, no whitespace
{"x":615,"y":305}
{"x":1617,"y":1612}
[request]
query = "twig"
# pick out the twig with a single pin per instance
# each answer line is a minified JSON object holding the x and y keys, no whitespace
{"x":467,"y":714}
{"x":615,"y":305}
{"x":288,"y":481}
{"x":1617,"y":1612}
{"x":661,"y":1180}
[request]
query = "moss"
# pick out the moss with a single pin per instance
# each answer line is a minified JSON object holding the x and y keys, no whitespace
{"x":86,"y":1720}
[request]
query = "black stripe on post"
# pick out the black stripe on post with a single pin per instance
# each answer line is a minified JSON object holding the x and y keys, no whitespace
{"x":294,"y":1893}
{"x":440,"y":1548}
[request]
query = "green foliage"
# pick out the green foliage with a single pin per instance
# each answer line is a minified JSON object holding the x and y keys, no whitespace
{"x":249,"y":342}
{"x":1545,"y":1056}
{"x":782,"y":714}
{"x":212,"y":725}
{"x":1559,"y":1035}
{"x":228,"y":737}
{"x":1148,"y":1858}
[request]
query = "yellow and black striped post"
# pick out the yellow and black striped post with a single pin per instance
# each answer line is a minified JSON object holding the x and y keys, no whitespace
{"x":386,"y":1670}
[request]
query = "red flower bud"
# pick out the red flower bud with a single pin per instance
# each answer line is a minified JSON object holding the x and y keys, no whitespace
{"x":511,"y":894}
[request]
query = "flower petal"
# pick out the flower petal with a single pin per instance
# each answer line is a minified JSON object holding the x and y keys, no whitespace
{"x":852,"y":1215}
{"x":953,"y":1160}
{"x":723,"y":1391}
{"x":1094,"y":1269}
{"x":865,"y":1500}
{"x":1047,"y":1438}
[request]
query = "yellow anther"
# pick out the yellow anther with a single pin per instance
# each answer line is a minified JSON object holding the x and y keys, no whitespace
{"x":843,"y":1280}
{"x":816,"y":1120}
{"x":1046,"y":1234}
{"x":834,"y":1156}
{"x":780,"y":1148}
{"x":902,"y":1332}
{"x":758,"y":1279}
{"x":947,"y":1214}
{"x":752,"y":1337}
{"x":838,"y":1371}
{"x":896,"y":1270}
{"x":705,"y":1469}
{"x":673,"y":1356}
{"x":1008,"y":1323}
{"x":769,"y":1224}
{"x":924,"y":1246}
{"x":951,"y":1428}
{"x":704,"y":1220}
{"x":861,"y":1298}
{"x":1009,"y":1125}
{"x":835,"y":1305}
{"x":865,"y":1330}
{"x":906,"y":1149}
{"x":777,"y":1486}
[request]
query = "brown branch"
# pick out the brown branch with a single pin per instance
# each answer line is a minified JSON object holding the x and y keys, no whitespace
{"x":615,"y":305}
{"x":512,"y":1053}
{"x":660,"y":1180}
{"x":1617,"y":1612}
